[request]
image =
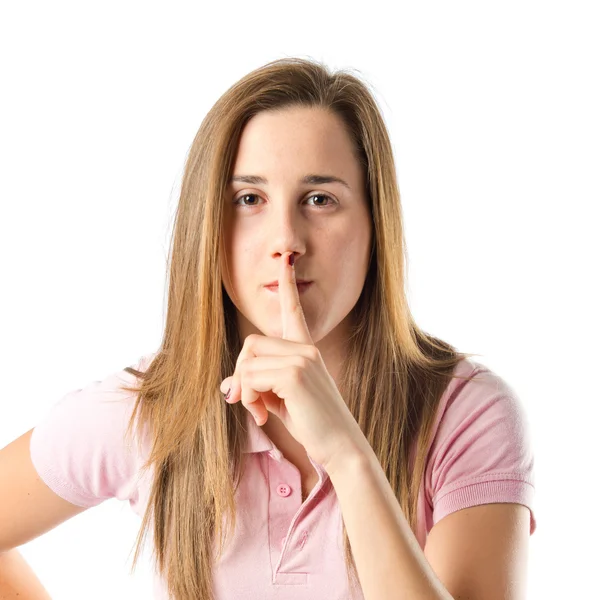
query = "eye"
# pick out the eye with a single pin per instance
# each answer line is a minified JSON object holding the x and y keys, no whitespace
{"x":237,"y":201}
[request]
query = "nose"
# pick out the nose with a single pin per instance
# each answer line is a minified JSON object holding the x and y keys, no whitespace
{"x":286,"y":232}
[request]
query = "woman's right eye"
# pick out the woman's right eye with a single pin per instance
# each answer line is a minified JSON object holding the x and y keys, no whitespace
{"x":244,"y":196}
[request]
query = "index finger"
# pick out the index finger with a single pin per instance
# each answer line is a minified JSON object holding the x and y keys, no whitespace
{"x":293,"y":323}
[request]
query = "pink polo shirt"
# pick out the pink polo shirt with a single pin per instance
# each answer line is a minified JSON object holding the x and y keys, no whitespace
{"x":282,"y":547}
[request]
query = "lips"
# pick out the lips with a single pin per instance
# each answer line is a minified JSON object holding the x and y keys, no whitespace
{"x":301,"y":286}
{"x":276,"y":283}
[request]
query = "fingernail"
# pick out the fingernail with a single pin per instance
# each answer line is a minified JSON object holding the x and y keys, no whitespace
{"x":228,"y":394}
{"x":291,"y":260}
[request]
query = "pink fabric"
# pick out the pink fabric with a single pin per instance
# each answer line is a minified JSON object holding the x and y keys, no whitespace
{"x":283,"y":548}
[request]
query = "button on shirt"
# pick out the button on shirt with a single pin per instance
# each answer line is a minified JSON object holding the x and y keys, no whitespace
{"x":283,"y":547}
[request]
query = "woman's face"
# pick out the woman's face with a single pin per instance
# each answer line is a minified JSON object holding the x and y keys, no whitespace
{"x":326,"y":225}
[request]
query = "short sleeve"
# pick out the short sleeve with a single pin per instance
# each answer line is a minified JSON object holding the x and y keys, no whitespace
{"x":78,"y":447}
{"x":482,"y":452}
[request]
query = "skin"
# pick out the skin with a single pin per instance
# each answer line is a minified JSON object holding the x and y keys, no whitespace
{"x":330,"y":237}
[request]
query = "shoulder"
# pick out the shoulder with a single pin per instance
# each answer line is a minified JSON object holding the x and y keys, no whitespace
{"x":469,"y":406}
{"x":79,"y":447}
{"x":482,"y":450}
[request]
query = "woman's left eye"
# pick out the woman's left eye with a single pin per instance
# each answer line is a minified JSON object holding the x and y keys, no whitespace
{"x":313,"y":196}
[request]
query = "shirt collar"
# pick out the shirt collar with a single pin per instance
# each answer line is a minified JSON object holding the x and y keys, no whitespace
{"x":259,"y":441}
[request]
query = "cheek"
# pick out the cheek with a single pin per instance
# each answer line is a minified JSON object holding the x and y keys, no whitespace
{"x":243,"y":264}
{"x":348,"y":260}
{"x":226,"y":267}
{"x":231,"y":266}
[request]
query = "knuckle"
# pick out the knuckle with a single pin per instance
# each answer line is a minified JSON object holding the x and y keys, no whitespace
{"x":244,"y":367}
{"x":313,"y":353}
{"x":251,"y":339}
{"x":297,"y":374}
{"x":303,"y":363}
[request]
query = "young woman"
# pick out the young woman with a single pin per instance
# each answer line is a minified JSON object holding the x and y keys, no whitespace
{"x":297,"y":435}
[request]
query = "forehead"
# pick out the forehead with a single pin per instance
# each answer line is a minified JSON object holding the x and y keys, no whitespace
{"x":295,"y":140}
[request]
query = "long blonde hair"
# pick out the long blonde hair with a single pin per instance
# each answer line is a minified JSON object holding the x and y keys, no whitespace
{"x":393,"y":377}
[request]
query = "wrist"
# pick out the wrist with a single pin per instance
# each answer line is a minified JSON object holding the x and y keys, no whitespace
{"x":349,"y":457}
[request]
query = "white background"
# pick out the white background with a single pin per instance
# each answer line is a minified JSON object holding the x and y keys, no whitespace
{"x":493,"y":113}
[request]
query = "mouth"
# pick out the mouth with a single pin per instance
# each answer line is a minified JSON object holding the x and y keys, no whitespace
{"x":302,"y":287}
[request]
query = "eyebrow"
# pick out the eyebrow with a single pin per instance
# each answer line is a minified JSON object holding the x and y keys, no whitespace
{"x":308,"y":179}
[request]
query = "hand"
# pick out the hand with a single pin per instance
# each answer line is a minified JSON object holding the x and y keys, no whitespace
{"x":287,"y":377}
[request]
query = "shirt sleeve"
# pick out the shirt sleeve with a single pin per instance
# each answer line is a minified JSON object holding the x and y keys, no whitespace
{"x":78,"y":447}
{"x":482,"y":452}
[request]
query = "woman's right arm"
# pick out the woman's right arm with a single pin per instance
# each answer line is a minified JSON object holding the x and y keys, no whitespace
{"x":28,"y":509}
